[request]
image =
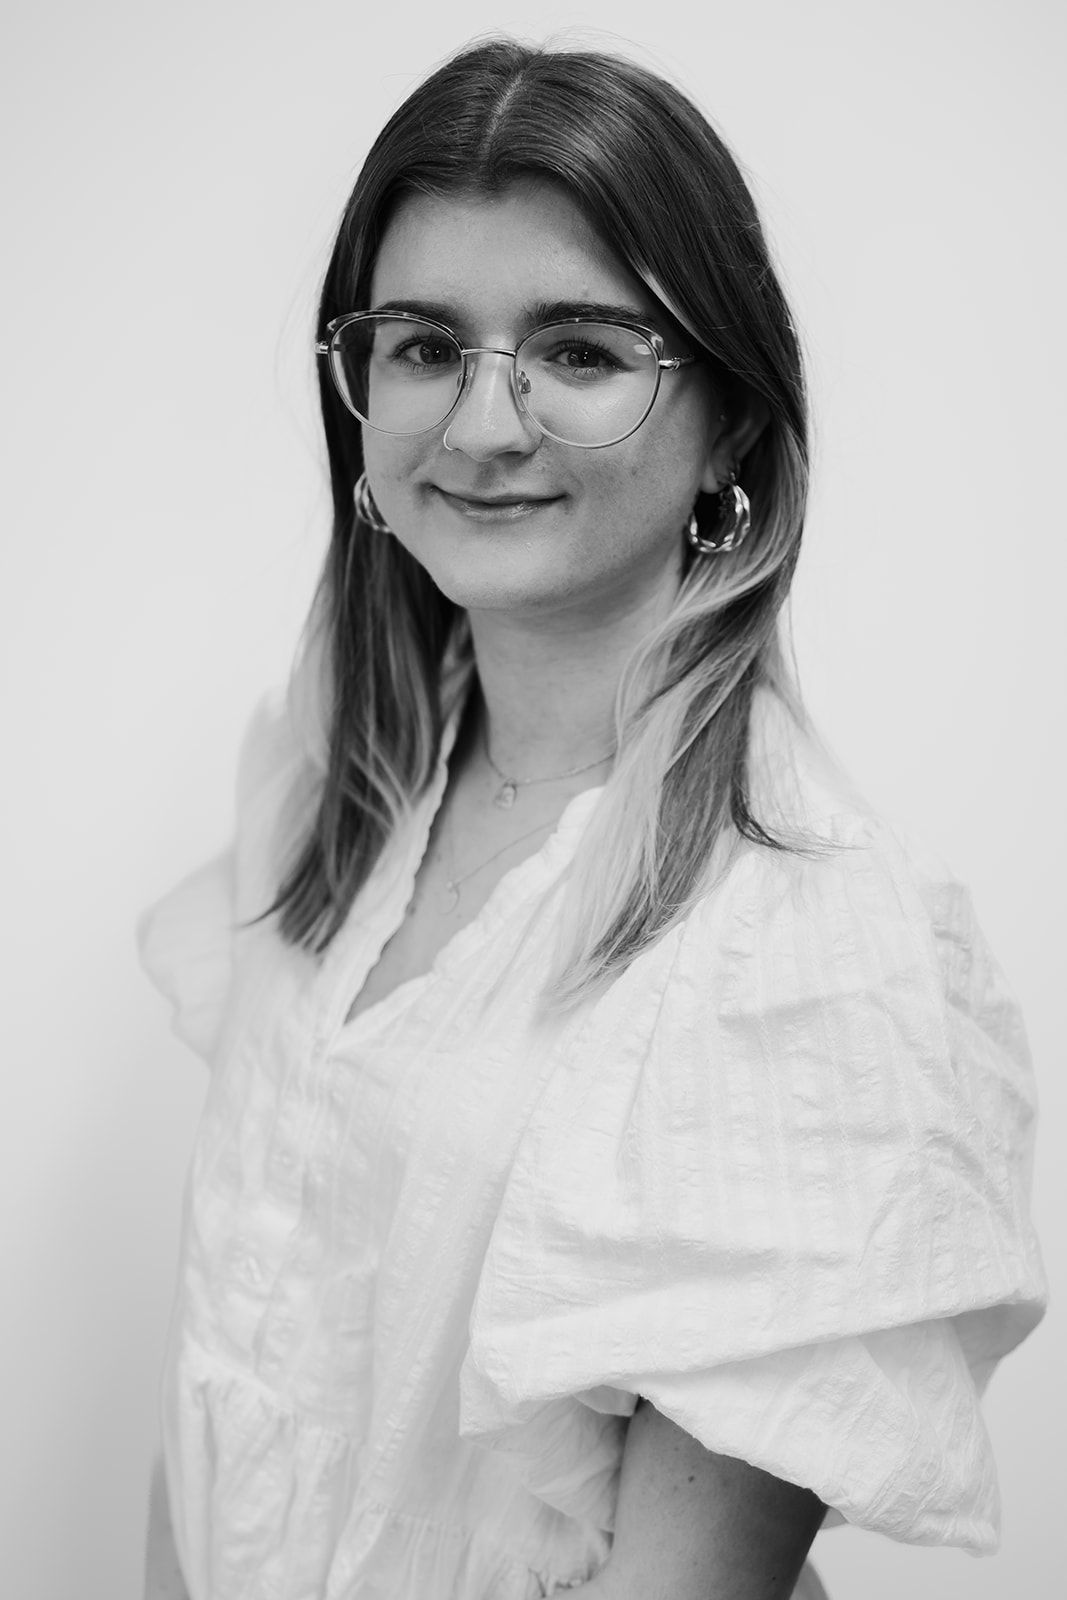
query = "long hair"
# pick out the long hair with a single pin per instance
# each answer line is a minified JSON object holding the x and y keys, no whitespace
{"x":659,"y":186}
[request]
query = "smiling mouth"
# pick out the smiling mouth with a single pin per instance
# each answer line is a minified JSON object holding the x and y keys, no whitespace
{"x":497,"y":508}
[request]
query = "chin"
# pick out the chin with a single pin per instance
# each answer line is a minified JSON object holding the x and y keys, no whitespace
{"x":488,"y":592}
{"x":516,"y":577}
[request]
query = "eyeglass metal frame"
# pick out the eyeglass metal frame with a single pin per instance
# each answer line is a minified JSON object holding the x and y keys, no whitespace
{"x":328,"y":347}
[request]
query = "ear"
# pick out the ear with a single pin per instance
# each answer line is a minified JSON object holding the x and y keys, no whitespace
{"x":738,"y":424}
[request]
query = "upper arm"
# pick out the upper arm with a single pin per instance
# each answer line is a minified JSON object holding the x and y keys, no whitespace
{"x":692,"y":1524}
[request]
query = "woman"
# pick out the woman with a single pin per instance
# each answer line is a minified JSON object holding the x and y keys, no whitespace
{"x":615,"y":1154}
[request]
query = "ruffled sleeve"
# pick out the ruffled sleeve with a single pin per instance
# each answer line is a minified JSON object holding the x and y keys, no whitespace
{"x":780,"y":1188}
{"x":186,"y":941}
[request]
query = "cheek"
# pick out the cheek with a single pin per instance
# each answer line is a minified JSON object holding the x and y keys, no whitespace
{"x":652,"y":491}
{"x":390,"y":465}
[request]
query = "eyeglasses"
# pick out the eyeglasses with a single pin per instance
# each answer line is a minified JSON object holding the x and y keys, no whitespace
{"x":583,"y":383}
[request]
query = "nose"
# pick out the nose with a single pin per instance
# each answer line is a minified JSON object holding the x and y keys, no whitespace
{"x":488,"y":420}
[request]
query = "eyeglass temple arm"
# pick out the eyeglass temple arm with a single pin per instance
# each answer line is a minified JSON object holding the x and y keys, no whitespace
{"x":672,"y":363}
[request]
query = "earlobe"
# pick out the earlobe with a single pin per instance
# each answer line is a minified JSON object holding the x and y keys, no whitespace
{"x":715,"y":472}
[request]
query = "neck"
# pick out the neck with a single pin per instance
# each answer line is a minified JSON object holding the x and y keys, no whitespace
{"x":549,"y":688}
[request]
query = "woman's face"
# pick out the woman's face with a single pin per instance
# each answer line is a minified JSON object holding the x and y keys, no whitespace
{"x":594,"y":532}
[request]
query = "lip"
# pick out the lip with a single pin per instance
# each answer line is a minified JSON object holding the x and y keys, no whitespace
{"x":496,"y":508}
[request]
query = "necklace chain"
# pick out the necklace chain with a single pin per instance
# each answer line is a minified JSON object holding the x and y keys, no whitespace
{"x":504,"y":799}
{"x":454,"y":884}
{"x":506,"y":795}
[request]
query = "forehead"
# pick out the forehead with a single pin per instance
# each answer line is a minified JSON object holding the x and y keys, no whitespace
{"x":492,"y":258}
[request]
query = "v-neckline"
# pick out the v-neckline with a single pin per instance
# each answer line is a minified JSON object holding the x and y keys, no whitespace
{"x":538,"y":869}
{"x":358,"y":947}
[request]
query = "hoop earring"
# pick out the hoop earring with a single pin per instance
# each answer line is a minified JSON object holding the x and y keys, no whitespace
{"x":734,"y":521}
{"x":366,"y":510}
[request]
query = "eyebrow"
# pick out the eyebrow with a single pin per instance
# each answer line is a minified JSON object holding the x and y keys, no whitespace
{"x":594,"y":310}
{"x":535,"y":316}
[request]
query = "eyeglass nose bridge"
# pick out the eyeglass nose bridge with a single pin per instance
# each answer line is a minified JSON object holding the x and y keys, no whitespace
{"x":520,"y":383}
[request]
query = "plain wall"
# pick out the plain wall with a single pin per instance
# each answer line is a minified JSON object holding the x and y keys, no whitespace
{"x":172,"y":174}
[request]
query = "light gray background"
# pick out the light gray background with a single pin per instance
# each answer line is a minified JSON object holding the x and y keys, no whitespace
{"x":172,"y":174}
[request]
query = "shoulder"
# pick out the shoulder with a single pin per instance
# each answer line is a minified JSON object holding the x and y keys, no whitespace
{"x":850,"y":899}
{"x":855,"y":943}
{"x":187,"y":938}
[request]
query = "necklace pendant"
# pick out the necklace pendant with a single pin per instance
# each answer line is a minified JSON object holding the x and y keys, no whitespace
{"x":504,"y":798}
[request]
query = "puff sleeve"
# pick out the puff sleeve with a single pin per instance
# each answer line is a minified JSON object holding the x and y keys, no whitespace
{"x":186,"y":941}
{"x":782,"y":1193}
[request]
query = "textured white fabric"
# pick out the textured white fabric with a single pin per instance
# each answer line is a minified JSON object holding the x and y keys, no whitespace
{"x":775,"y":1180}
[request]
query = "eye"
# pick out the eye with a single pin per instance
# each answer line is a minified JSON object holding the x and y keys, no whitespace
{"x":426,"y":352}
{"x":589,"y":353}
{"x":582,"y":356}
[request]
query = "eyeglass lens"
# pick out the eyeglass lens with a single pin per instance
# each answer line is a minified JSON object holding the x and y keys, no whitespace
{"x":590,"y":383}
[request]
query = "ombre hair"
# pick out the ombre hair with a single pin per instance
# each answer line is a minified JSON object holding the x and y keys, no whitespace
{"x":657,"y":183}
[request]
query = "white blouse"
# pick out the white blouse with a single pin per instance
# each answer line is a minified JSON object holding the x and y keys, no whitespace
{"x":774,"y":1179}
